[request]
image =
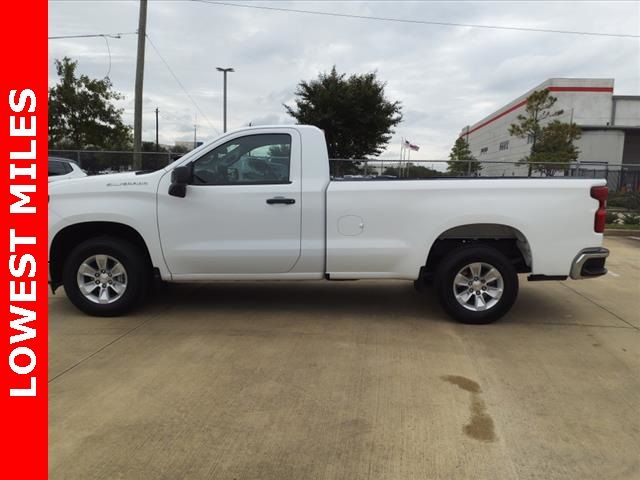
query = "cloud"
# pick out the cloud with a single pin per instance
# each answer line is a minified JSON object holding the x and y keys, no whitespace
{"x":446,"y":77}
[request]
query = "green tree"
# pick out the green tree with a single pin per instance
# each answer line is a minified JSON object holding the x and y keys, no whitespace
{"x":151,"y":147}
{"x":283,"y":150}
{"x":81,"y":112}
{"x":461,"y":161}
{"x":180,"y":149}
{"x":354,"y":113}
{"x":555,"y":150}
{"x":539,"y":108}
{"x":412,"y":171}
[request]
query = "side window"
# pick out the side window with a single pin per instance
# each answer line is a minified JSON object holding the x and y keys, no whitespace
{"x":56,"y":168}
{"x":254,"y":159}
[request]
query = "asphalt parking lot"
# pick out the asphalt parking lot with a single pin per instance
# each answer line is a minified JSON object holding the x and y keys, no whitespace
{"x":351,"y":380}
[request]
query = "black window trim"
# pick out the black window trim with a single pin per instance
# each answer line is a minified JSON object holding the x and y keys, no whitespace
{"x":239,"y":184}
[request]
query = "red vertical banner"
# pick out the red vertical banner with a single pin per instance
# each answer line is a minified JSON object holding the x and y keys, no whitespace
{"x":23,"y":239}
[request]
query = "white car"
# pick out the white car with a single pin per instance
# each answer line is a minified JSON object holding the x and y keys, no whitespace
{"x":258,"y":204}
{"x":63,"y":168}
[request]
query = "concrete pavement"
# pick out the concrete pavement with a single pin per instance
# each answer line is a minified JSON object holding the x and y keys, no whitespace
{"x":351,"y":380}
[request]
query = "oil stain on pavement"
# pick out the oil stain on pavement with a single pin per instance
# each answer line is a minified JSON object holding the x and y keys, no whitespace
{"x":480,"y":426}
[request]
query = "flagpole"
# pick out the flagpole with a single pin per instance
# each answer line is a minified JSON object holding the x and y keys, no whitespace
{"x":404,"y":157}
{"x":401,"y":155}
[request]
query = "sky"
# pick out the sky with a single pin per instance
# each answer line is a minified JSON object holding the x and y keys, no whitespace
{"x":445,"y":77}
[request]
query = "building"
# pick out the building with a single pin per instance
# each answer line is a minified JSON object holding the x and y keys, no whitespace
{"x":610,"y":127}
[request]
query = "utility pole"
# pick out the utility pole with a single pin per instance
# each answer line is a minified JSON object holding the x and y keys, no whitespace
{"x":195,"y":126}
{"x":224,"y":107}
{"x":137,"y":112}
{"x":157,"y":145}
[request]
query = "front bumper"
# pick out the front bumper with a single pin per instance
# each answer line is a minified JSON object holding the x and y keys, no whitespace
{"x":589,"y":263}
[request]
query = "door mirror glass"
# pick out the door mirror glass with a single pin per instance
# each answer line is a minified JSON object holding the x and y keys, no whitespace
{"x":180,"y":177}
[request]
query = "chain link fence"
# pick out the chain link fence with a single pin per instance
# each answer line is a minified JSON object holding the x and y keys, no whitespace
{"x":620,"y":177}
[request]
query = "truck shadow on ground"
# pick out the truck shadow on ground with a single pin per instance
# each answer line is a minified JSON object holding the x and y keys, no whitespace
{"x":393,"y":299}
{"x":345,"y":298}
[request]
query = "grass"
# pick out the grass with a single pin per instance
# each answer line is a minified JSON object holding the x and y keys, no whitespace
{"x":615,"y":226}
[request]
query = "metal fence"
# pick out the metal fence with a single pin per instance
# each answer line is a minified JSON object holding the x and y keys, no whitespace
{"x":98,"y":161}
{"x":620,"y":177}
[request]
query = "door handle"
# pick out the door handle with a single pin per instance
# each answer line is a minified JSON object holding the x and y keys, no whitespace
{"x":283,"y":200}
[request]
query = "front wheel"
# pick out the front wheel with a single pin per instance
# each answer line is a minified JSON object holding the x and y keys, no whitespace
{"x":105,"y":276}
{"x":476,"y":284}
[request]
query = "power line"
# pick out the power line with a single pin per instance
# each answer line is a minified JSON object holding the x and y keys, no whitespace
{"x":420,"y":22}
{"x":180,"y":83}
{"x":93,"y":35}
{"x":118,"y":35}
{"x":105,"y":36}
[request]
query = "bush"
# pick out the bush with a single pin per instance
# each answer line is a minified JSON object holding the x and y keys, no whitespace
{"x":621,"y":219}
{"x":632,"y":220}
{"x":628,"y":200}
{"x":610,"y":218}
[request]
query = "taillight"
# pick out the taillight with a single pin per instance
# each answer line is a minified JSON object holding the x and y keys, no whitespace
{"x":600,"y":194}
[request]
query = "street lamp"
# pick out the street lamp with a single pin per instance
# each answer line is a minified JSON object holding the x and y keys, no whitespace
{"x":224,"y":108}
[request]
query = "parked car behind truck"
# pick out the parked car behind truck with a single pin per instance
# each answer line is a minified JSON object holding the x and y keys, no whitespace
{"x":258,"y":204}
{"x":64,"y":169}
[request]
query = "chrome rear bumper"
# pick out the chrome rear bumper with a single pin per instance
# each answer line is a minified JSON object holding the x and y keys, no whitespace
{"x":589,"y":263}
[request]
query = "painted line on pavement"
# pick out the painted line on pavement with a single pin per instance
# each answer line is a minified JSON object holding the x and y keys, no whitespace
{"x":589,"y":299}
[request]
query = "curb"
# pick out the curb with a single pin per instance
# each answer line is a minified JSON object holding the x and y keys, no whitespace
{"x":621,"y":233}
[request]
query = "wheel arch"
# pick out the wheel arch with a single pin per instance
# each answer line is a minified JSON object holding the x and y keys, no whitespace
{"x":505,"y":238}
{"x":72,"y":235}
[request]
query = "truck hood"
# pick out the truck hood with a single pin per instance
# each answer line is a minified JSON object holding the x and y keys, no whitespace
{"x":114,"y":182}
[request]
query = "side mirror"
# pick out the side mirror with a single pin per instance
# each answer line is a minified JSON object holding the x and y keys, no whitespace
{"x":180,"y":177}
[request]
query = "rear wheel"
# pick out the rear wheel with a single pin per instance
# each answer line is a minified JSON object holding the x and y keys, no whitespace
{"x":476,"y":284}
{"x":105,"y":276}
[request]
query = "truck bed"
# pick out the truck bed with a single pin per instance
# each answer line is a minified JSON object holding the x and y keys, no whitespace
{"x":553,"y":218}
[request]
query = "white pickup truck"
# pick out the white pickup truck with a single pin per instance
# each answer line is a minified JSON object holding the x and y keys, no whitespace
{"x":259,"y":204}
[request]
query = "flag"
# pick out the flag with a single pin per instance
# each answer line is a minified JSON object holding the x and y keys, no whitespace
{"x":407,"y":144}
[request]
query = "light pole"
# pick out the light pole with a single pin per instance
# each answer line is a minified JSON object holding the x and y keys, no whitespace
{"x":224,"y":108}
{"x":157,"y":129}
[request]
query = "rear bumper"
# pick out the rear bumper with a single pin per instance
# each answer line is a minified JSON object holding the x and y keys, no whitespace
{"x":589,"y":263}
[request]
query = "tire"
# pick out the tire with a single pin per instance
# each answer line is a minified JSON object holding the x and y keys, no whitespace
{"x":126,"y":284}
{"x":474,"y":263}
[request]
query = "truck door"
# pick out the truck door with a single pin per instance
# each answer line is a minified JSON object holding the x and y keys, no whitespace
{"x":242,"y":209}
